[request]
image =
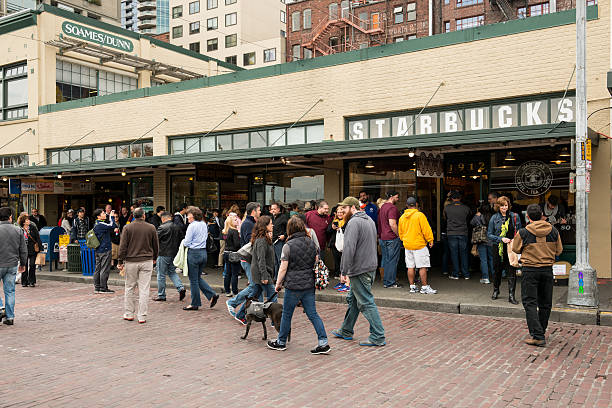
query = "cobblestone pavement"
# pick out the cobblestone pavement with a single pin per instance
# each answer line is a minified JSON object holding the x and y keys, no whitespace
{"x":70,"y":348}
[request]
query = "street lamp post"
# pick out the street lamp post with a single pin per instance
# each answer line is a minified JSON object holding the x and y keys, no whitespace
{"x":582,"y":286}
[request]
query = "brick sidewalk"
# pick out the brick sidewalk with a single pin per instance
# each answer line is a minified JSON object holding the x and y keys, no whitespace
{"x":69,"y":348}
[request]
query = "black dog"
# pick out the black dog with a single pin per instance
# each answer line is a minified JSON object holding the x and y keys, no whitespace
{"x":274,"y":312}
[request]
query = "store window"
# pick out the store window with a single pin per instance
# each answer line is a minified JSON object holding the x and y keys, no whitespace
{"x":231,"y":40}
{"x":185,"y":189}
{"x":248,"y":59}
{"x":212,"y":23}
{"x":270,"y":55}
{"x":379,"y":176}
{"x":292,"y":186}
{"x":100,"y":153}
{"x":212,"y":44}
{"x":14,"y":91}
{"x":110,"y":82}
{"x":75,"y":81}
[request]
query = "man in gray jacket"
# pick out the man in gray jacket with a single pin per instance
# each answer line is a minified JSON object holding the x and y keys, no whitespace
{"x":13,"y":258}
{"x":358,"y":268}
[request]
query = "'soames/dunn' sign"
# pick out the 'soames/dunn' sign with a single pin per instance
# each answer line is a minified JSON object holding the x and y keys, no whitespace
{"x":98,"y":37}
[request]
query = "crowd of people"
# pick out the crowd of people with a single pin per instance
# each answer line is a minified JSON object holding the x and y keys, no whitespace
{"x":279,"y":249}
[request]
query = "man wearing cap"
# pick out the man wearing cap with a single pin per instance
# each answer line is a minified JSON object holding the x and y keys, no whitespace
{"x":416,"y":234}
{"x":390,"y":244}
{"x":357,"y":268}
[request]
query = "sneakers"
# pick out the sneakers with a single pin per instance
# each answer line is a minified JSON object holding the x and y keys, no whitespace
{"x":213,"y":301}
{"x":230,"y":309}
{"x":243,"y":321}
{"x":275,"y":345}
{"x":229,"y":295}
{"x":338,"y":286}
{"x":485,"y":281}
{"x":344,"y":288}
{"x":535,"y":342}
{"x":453,"y":277}
{"x":466,"y":277}
{"x":128,"y":318}
{"x":395,"y":285}
{"x":336,"y":333}
{"x":182,"y":293}
{"x":107,"y":291}
{"x":427,"y":290}
{"x":97,"y":291}
{"x":368,"y":344}
{"x":414,"y":289}
{"x":321,"y":349}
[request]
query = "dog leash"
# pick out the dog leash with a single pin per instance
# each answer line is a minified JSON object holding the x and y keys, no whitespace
{"x":271,"y":298}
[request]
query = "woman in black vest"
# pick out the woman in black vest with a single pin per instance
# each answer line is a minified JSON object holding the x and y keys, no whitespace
{"x":296,"y":272}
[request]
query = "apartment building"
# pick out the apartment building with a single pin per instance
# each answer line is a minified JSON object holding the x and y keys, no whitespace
{"x":105,"y":11}
{"x":246,"y":33}
{"x":322,"y":27}
{"x":146,"y":17}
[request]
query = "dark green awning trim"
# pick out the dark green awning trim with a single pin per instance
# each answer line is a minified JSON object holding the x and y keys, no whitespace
{"x":17,"y":21}
{"x":508,"y":135}
{"x":439,"y":40}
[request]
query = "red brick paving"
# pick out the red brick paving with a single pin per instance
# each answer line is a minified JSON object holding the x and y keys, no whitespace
{"x":70,"y":348}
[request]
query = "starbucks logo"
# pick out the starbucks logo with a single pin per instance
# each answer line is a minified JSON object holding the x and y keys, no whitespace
{"x":533,"y":178}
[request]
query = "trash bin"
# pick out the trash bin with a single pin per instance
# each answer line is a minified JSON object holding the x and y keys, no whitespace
{"x":88,"y":259}
{"x":74,"y":258}
{"x":50,"y":239}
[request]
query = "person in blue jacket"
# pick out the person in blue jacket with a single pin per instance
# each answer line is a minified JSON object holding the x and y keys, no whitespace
{"x":103,"y":230}
{"x":369,"y":207}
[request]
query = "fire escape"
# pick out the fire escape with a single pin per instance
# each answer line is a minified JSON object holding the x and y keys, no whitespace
{"x":316,"y":39}
{"x":505,"y":7}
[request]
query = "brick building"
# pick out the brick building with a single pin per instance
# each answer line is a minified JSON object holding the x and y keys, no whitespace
{"x":322,"y":27}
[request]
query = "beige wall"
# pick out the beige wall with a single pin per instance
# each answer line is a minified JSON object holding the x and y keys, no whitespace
{"x":109,"y":10}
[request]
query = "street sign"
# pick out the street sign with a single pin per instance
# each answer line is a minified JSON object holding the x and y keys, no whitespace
{"x":588,"y":150}
{"x":588,"y":181}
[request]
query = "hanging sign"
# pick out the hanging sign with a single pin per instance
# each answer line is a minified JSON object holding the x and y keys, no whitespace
{"x":98,"y":37}
{"x":587,"y":155}
{"x":217,"y":172}
{"x":58,"y":187}
{"x":533,"y":178}
{"x":44,"y":187}
{"x":14,"y":186}
{"x":430,"y":165}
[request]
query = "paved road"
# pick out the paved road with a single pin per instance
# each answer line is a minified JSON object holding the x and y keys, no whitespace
{"x":70,"y":348}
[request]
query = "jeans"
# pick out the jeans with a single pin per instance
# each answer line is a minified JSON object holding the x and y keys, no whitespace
{"x":361,"y":299}
{"x":8,"y":276}
{"x":292,"y":297}
{"x":196,"y":261}
{"x":485,"y":254}
{"x":391,"y":250}
{"x":28,"y":277}
{"x":256,"y":291}
{"x":278,"y":250}
{"x":241,"y":297}
{"x":230,"y":275}
{"x":536,"y":294}
{"x":445,"y":251}
{"x":458,"y":252}
{"x":103,"y":262}
{"x":165,"y":267}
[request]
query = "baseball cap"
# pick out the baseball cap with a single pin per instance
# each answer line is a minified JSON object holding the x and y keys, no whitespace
{"x":411,"y":201}
{"x":350,"y":201}
{"x":392,"y":193}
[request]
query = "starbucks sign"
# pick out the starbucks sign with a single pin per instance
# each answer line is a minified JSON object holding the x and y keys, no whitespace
{"x":533,"y":178}
{"x":97,"y":37}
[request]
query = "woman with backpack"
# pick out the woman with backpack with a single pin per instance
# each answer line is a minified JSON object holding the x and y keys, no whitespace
{"x":504,"y":224}
{"x":296,"y":274}
{"x":232,"y":244}
{"x":480,"y":223}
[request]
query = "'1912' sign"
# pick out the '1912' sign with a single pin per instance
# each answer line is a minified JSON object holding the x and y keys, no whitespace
{"x":98,"y":37}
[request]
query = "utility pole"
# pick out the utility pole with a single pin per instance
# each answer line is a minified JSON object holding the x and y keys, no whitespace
{"x":582,"y":286}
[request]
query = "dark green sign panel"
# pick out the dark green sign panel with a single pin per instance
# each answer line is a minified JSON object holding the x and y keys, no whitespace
{"x":98,"y":37}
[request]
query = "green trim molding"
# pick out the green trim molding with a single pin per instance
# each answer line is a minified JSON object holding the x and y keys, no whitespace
{"x":507,"y":135}
{"x":17,"y":21}
{"x":560,"y":18}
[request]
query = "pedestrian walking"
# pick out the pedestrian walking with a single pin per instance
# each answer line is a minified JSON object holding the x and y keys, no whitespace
{"x":539,"y":243}
{"x":479,"y":224}
{"x":456,"y":214}
{"x":502,"y":228}
{"x":416,"y":235}
{"x":169,"y":236}
{"x":390,"y":243}
{"x":155,"y":219}
{"x":137,"y":255}
{"x":34,"y":245}
{"x":253,"y":212}
{"x":232,"y":244}
{"x":279,"y":232}
{"x":298,"y":258}
{"x":195,"y":241}
{"x":103,"y":253}
{"x":180,"y":218}
{"x":319,"y":220}
{"x":358,"y":267}
{"x":38,"y":219}
{"x":13,"y":259}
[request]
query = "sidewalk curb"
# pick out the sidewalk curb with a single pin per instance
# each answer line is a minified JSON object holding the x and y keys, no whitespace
{"x":558,"y":314}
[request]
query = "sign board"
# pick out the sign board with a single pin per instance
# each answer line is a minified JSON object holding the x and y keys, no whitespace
{"x":58,"y":187}
{"x":14,"y":186}
{"x":44,"y":187}
{"x":28,"y":186}
{"x":588,"y":181}
{"x":97,"y":37}
{"x":496,"y":115}
{"x":560,"y":269}
{"x":64,"y":240}
{"x":588,"y":150}
{"x":533,"y":178}
{"x":217,"y":172}
{"x":430,"y":165}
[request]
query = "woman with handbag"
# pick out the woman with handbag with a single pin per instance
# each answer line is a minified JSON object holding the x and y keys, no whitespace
{"x":232,"y":244}
{"x":504,"y":224}
{"x":296,"y":274}
{"x":479,"y":224}
{"x":34,"y":244}
{"x":263,"y":258}
{"x":334,"y":230}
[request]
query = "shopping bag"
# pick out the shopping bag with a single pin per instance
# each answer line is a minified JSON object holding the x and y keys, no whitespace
{"x":40,"y":259}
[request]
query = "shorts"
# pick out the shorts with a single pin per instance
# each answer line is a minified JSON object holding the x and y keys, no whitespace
{"x":418,"y":258}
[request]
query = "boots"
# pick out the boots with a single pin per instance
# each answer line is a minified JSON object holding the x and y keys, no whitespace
{"x":495,"y":293}
{"x":511,"y":288}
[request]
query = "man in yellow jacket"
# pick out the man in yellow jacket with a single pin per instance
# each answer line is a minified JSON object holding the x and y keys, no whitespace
{"x":416,"y":234}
